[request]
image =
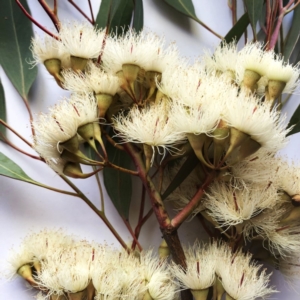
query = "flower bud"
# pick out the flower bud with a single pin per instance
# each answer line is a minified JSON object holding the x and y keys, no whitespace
{"x":163,"y":250}
{"x":200,"y":294}
{"x":274,"y":89}
{"x":250,"y":80}
{"x":78,"y":64}
{"x":103,"y":101}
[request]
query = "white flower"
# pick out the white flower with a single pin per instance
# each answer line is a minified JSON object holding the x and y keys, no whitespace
{"x":151,"y":125}
{"x":145,"y":50}
{"x":81,"y":39}
{"x":284,"y":240}
{"x":232,"y":205}
{"x":201,"y":263}
{"x":243,"y":280}
{"x":48,"y":48}
{"x":60,"y":125}
{"x":196,"y":120}
{"x":223,"y":60}
{"x":289,"y":177}
{"x":260,"y":168}
{"x":253,"y":57}
{"x":93,"y":80}
{"x":185,"y":83}
{"x":279,"y":70}
{"x":247,"y":115}
{"x":157,"y":278}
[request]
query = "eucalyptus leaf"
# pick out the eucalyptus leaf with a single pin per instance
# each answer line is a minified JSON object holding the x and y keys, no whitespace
{"x":2,"y":111}
{"x":118,"y":184}
{"x":188,"y":166}
{"x":186,"y":7}
{"x":116,"y":15}
{"x":295,"y":121}
{"x":254,"y":10}
{"x":236,"y":32}
{"x":15,"y":36}
{"x":10,"y":169}
{"x":293,"y":35}
{"x":138,"y":16}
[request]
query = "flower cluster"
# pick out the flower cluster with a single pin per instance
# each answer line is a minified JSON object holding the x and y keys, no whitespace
{"x":220,"y":114}
{"x":63,"y":267}
{"x":155,"y":98}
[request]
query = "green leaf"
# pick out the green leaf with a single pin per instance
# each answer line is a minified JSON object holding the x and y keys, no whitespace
{"x":116,"y":15}
{"x":186,"y":7}
{"x":118,"y":184}
{"x":293,"y":35}
{"x":295,"y":121}
{"x":236,"y":32}
{"x":138,"y":16}
{"x":2,"y":111}
{"x":10,"y":169}
{"x":188,"y":166}
{"x":15,"y":35}
{"x":254,"y":10}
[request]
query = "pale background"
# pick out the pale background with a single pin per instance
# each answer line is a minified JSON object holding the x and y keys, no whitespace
{"x":25,"y":208}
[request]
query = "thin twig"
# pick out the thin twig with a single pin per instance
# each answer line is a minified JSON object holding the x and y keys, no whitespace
{"x":81,"y":11}
{"x":35,"y":22}
{"x":91,"y":11}
{"x":9,"y":143}
{"x":16,"y":133}
{"x":111,"y":141}
{"x":186,"y":211}
{"x":131,"y":172}
{"x":99,"y":213}
{"x":51,"y":14}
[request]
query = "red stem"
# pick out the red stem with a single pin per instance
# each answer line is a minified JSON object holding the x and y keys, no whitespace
{"x":81,"y":11}
{"x":91,"y":11}
{"x":35,"y":22}
{"x":51,"y":14}
{"x":186,"y":211}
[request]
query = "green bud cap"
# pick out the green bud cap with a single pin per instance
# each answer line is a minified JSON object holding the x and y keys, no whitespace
{"x":53,"y":66}
{"x":274,"y":89}
{"x":200,"y":294}
{"x":74,"y":170}
{"x":150,"y":82}
{"x":26,"y":272}
{"x":197,"y":142}
{"x":130,"y":72}
{"x":72,"y":145}
{"x":163,"y":249}
{"x":103,"y":101}
{"x":237,"y":138}
{"x":78,"y":64}
{"x":248,"y":148}
{"x":250,"y":80}
{"x":78,"y":157}
{"x":87,"y":133}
